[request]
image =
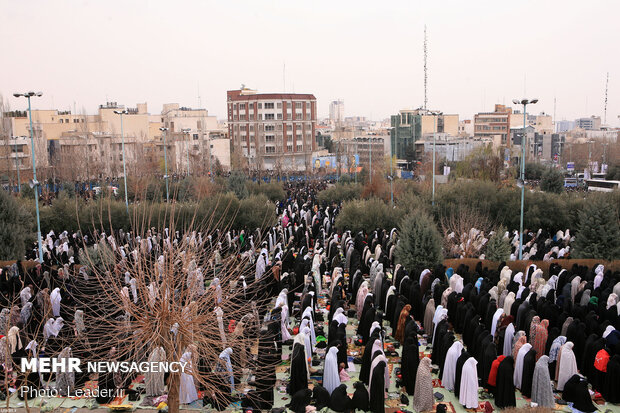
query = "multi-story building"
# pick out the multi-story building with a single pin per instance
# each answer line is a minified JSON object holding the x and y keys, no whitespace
{"x":411,"y":124}
{"x":448,"y":147}
{"x":367,"y":149}
{"x":336,"y":112}
{"x":466,"y":128}
{"x":80,"y":146}
{"x":591,"y":123}
{"x":494,"y":124}
{"x":271,"y":130}
{"x":192,"y":132}
{"x":564,"y":126}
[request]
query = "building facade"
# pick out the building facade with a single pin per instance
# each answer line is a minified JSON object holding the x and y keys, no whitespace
{"x":271,"y":131}
{"x":80,"y":146}
{"x":336,"y":112}
{"x":409,"y":126}
{"x":494,"y":124}
{"x":591,"y":123}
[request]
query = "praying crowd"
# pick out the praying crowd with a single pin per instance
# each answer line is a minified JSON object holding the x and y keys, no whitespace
{"x":330,"y":319}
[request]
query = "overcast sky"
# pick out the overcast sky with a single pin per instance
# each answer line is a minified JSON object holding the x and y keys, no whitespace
{"x":368,"y":53}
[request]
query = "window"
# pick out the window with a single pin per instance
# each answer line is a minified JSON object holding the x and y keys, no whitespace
{"x":250,"y":116}
{"x":270,"y":138}
{"x":279,"y":116}
{"x":300,"y":147}
{"x":297,"y":105}
{"x":260,"y":117}
{"x":61,"y":121}
{"x":289,"y":127}
{"x":251,"y":128}
{"x":269,"y":116}
{"x":195,"y":136}
{"x":289,"y":147}
{"x":242,"y":106}
{"x":242,"y":127}
{"x":279,"y":126}
{"x":241,"y":117}
{"x":260,"y":105}
{"x":269,"y":105}
{"x":76,"y":121}
{"x":270,"y":149}
{"x":269,"y":128}
{"x":279,"y":105}
{"x":298,"y":116}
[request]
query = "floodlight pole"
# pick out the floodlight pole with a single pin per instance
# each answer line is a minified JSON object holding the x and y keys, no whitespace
{"x":35,"y":182}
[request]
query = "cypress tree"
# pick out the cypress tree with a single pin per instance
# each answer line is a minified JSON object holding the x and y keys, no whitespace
{"x":419,"y":244}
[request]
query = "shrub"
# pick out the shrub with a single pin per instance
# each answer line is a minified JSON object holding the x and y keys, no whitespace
{"x":613,"y":173}
{"x":598,"y":233}
{"x":236,"y":184}
{"x":534,"y":171}
{"x":498,"y":248}
{"x":552,"y":180}
{"x":255,"y":211}
{"x":340,"y":193}
{"x":411,"y":201}
{"x":366,"y":215}
{"x":68,"y":188}
{"x":419,"y":244}
{"x":16,"y":228}
{"x":272,"y":190}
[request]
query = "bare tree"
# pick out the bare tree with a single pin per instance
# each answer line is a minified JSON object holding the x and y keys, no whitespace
{"x":465,"y":232}
{"x":176,"y":296}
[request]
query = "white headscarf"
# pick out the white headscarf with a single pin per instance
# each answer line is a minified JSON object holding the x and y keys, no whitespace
{"x":518,"y":372}
{"x":468,"y":392}
{"x":25,"y":295}
{"x":15,"y":342}
{"x":55,"y":298}
{"x":568,"y":365}
{"x":331,"y":378}
{"x":134,"y":290}
{"x":225,"y":355}
{"x":449,"y":365}
{"x":496,"y":316}
{"x":508,"y":336}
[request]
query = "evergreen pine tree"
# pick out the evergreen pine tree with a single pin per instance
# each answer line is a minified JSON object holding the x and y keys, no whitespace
{"x":598,"y":232}
{"x":419,"y":245}
{"x":14,"y":228}
{"x":498,"y":247}
{"x":236,"y":184}
{"x":552,"y":180}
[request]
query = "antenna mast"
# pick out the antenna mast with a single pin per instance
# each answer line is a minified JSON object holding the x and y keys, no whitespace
{"x":425,"y":69}
{"x":606,"y":87}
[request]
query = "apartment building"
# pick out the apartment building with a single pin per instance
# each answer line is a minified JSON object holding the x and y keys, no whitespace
{"x":271,"y":131}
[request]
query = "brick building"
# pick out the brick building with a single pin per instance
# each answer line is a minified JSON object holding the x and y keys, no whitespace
{"x":271,"y":131}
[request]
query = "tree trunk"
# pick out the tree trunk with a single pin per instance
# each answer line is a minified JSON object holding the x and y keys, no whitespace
{"x":173,"y":393}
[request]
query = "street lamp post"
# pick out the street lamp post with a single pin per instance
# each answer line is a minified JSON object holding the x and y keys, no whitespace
{"x":19,"y":190}
{"x":435,"y":114}
{"x":35,"y":183}
{"x":163,"y":131}
{"x":186,"y":132}
{"x":391,"y":174}
{"x":523,"y":102}
{"x":370,"y":159}
{"x":121,"y":113}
